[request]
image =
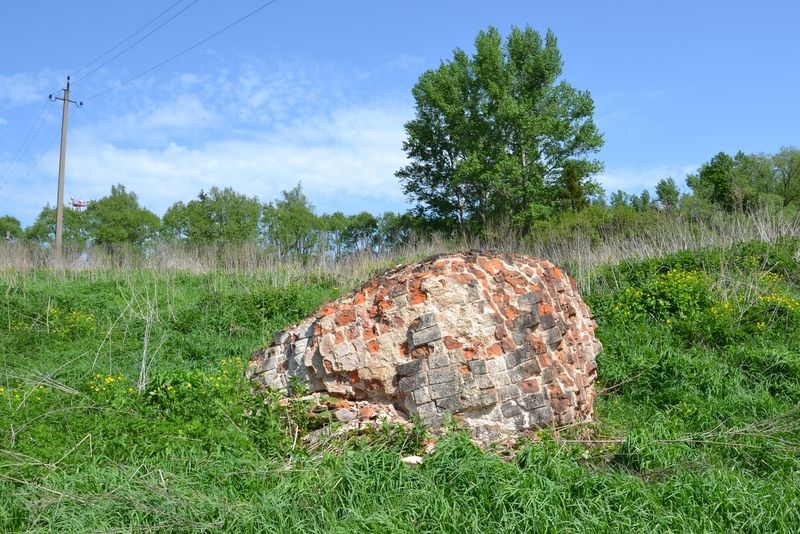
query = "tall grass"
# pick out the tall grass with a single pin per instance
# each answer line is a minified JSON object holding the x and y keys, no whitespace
{"x":579,"y":249}
{"x":123,"y":407}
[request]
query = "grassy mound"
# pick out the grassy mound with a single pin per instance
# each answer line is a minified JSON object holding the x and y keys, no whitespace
{"x":123,"y":408}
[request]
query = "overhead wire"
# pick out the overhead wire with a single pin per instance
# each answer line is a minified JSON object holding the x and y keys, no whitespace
{"x":34,"y":166}
{"x":145,"y":36}
{"x":128,"y":38}
{"x":35,"y":128}
{"x":30,"y":171}
{"x":27,"y":141}
{"x":182,"y":52}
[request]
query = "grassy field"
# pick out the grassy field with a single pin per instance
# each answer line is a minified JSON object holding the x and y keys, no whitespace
{"x":123,"y":409}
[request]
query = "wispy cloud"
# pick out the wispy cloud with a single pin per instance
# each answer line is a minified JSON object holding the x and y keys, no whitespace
{"x":255,"y":129}
{"x":636,"y":179}
{"x":25,"y":88}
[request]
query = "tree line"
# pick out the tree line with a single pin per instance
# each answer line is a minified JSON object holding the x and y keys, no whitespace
{"x":498,"y":140}
{"x":288,"y":225}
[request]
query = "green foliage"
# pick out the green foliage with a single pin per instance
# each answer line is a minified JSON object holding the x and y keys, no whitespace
{"x":220,"y":216}
{"x":748,"y":181}
{"x":290,"y":224}
{"x":498,"y":135}
{"x":682,"y":291}
{"x":689,"y":434}
{"x":360,"y":232}
{"x":10,"y":227}
{"x":678,"y":294}
{"x":667,"y":193}
{"x":118,"y":219}
{"x":785,"y":177}
{"x":43,"y":229}
{"x":714,"y":181}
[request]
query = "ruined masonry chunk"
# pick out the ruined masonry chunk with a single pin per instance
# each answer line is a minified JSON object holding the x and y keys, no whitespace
{"x":503,"y":342}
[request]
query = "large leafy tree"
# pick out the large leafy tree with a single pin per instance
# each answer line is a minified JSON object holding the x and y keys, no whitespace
{"x":361,"y":231}
{"x":498,"y":134}
{"x":118,"y":218}
{"x":10,"y":227}
{"x":215,"y":217}
{"x":290,"y":224}
{"x":667,"y":193}
{"x":43,"y":229}
{"x":728,"y":182}
{"x":786,"y":175}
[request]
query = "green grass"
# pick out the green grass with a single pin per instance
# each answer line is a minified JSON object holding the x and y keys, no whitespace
{"x":696,"y":426}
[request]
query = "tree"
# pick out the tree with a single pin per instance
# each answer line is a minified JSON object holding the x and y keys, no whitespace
{"x":43,"y":229}
{"x":667,"y":194}
{"x":360,"y":232}
{"x":620,"y":199}
{"x":572,"y":189}
{"x":290,"y":224}
{"x":786,"y":164}
{"x":10,"y":227}
{"x":713,"y":181}
{"x":219,"y":216}
{"x":333,"y":227}
{"x":118,"y":218}
{"x":395,"y":230}
{"x":725,"y":181}
{"x":642,"y":202}
{"x":496,"y":135}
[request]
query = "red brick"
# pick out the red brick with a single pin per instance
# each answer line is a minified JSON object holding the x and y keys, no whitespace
{"x":423,"y":351}
{"x":486,"y":265}
{"x":529,"y":385}
{"x":384,"y":306}
{"x":367,"y":412}
{"x":494,"y":350}
{"x":326,"y":310}
{"x":345,"y":316}
{"x":508,"y":344}
{"x":452,"y":343}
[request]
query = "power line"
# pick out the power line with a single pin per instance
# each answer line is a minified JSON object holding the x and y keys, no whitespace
{"x":184,"y":51}
{"x":30,"y":171}
{"x":25,"y":145}
{"x":128,"y":38}
{"x":148,"y":34}
{"x":76,"y":119}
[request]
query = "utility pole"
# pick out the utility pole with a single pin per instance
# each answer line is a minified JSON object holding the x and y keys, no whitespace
{"x":61,"y":166}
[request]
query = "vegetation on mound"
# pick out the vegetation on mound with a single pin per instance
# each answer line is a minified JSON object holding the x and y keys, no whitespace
{"x":123,"y":407}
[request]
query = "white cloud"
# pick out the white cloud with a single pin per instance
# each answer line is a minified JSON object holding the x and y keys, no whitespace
{"x":3,"y":121}
{"x":344,"y":157}
{"x":26,"y":88}
{"x":408,"y":62}
{"x":636,"y":179}
{"x":258,"y":129}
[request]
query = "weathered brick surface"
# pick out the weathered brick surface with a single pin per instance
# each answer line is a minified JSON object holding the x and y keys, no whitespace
{"x":503,"y":341}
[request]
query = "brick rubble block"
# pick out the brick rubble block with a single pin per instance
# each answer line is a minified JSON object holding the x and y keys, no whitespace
{"x":503,"y":342}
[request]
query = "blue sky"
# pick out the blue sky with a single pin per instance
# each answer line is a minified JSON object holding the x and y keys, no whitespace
{"x":318,"y":91}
